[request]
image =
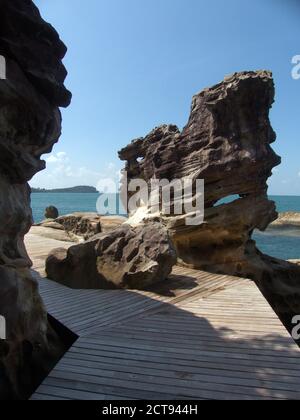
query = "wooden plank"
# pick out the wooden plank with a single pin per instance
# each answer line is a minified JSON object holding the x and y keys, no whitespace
{"x":218,"y":376}
{"x":189,"y":361}
{"x":197,"y":335}
{"x":71,"y":387}
{"x":150,"y":385}
{"x":188,"y":368}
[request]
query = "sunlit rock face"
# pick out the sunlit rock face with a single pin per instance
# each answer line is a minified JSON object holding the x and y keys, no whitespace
{"x":227,"y":143}
{"x":30,"y":124}
{"x":124,"y":258}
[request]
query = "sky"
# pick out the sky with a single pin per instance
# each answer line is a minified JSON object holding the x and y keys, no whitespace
{"x":136,"y":64}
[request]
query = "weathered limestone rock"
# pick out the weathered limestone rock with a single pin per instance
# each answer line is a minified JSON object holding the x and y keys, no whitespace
{"x":76,"y":267}
{"x":81,"y":224}
{"x":287,"y":220}
{"x":87,"y":225}
{"x":51,"y":212}
{"x":30,"y":123}
{"x":77,"y":227}
{"x":51,"y":232}
{"x":131,"y":258}
{"x":227,"y":142}
{"x":136,"y":257}
{"x":110,"y":223}
{"x":49,"y":224}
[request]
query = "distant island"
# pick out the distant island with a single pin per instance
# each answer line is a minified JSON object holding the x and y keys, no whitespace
{"x":79,"y":189}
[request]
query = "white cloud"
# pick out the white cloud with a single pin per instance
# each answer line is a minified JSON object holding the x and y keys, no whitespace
{"x":60,"y":173}
{"x":51,"y":159}
{"x":60,"y":157}
{"x":111,"y":166}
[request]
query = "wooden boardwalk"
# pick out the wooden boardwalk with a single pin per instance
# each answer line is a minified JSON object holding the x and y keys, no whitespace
{"x":197,"y":336}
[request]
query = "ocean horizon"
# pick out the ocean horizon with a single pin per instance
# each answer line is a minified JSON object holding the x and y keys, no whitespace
{"x":284,"y":244}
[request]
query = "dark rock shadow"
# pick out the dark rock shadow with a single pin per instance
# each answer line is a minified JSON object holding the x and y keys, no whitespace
{"x":175,"y":282}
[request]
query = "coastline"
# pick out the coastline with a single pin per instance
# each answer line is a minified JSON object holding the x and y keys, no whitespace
{"x":281,"y":239}
{"x":287,"y":220}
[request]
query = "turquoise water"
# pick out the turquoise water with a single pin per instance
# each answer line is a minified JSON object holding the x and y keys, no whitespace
{"x":66,"y":203}
{"x":280,"y":244}
{"x":286,"y":203}
{"x":284,"y":244}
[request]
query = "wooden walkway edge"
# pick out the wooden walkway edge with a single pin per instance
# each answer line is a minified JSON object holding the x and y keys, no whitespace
{"x":197,"y":336}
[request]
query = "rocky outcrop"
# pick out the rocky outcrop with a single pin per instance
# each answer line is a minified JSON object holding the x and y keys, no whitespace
{"x":77,"y":227}
{"x":136,"y":258}
{"x":85,"y":225}
{"x":227,"y":143}
{"x":294,"y":262}
{"x":52,"y":230}
{"x":110,"y":223}
{"x":286,"y":220}
{"x":30,"y":123}
{"x":130,"y":258}
{"x":51,"y":212}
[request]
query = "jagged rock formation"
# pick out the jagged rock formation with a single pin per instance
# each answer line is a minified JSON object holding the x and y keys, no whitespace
{"x":81,"y":224}
{"x":87,"y":225}
{"x":30,"y":123}
{"x":227,"y":143}
{"x":77,"y":227}
{"x":127,"y":257}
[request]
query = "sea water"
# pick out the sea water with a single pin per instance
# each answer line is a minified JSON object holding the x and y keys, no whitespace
{"x":278,"y":243}
{"x":281,"y":243}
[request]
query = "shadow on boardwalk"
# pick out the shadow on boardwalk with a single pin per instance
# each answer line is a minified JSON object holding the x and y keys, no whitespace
{"x":139,"y":348}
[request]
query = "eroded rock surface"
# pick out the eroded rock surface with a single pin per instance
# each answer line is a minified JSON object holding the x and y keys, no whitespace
{"x":287,"y":220}
{"x":128,"y":257}
{"x":30,"y":124}
{"x":54,"y":231}
{"x":227,"y":142}
{"x":136,"y":257}
{"x":77,"y":227}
